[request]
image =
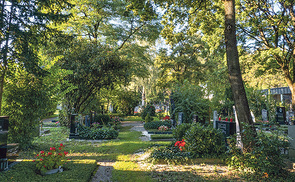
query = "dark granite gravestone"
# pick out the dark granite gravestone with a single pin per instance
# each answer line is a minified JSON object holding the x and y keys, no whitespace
{"x":180,"y":118}
{"x":4,"y":122}
{"x":228,"y":128}
{"x":73,"y":127}
{"x":281,"y":115}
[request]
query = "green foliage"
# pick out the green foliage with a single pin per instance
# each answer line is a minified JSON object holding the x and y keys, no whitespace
{"x":102,"y":119}
{"x":125,"y":101}
{"x":204,"y":141}
{"x":148,"y":118}
{"x":180,"y":131}
{"x":148,"y":109}
{"x":264,"y":157}
{"x":170,"y":152}
{"x":25,"y":102}
{"x":189,"y":99}
{"x":156,"y":124}
{"x":97,"y":133}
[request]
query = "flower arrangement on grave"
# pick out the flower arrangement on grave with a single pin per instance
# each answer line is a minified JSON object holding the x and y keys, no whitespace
{"x":53,"y":159}
{"x":163,"y":128}
{"x":180,"y":145}
{"x":116,"y":120}
{"x":166,"y":118}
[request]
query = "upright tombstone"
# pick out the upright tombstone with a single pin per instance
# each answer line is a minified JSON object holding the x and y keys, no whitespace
{"x":4,"y":122}
{"x":291,"y":118}
{"x":73,"y":127}
{"x":180,"y":118}
{"x":281,"y":115}
{"x":264,"y":115}
{"x":87,"y":121}
{"x":195,"y":118}
{"x":291,"y":134}
{"x":238,"y":130}
{"x":215,"y":118}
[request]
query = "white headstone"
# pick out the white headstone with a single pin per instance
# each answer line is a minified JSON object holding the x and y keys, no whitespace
{"x":253,"y":117}
{"x":215,"y":118}
{"x":264,"y":115}
{"x":239,"y":138}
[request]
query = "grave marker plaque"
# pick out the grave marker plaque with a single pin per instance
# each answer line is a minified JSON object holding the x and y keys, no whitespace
{"x":4,"y":122}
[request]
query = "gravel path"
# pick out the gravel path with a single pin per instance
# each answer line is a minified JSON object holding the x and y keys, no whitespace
{"x":104,"y":172}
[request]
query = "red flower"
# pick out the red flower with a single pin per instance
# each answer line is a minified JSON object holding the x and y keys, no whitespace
{"x":37,"y":155}
{"x":61,"y":144}
{"x":52,"y":148}
{"x":34,"y":160}
{"x":44,"y":166}
{"x":60,"y":154}
{"x":41,"y":159}
{"x":59,"y":148}
{"x":66,"y":152}
{"x":42,"y":152}
{"x":49,"y":153}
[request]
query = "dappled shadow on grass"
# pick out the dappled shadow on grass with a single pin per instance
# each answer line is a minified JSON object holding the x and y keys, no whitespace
{"x":25,"y":171}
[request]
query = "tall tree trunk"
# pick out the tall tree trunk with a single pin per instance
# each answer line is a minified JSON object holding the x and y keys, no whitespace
{"x":235,"y":76}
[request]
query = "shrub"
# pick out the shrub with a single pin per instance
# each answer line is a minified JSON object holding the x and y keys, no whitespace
{"x":156,"y":124}
{"x":180,"y":130}
{"x":265,"y":158}
{"x":102,"y":118}
{"x":170,"y":152}
{"x":149,"y":109}
{"x":205,"y":141}
{"x":148,"y":118}
{"x":96,"y":133}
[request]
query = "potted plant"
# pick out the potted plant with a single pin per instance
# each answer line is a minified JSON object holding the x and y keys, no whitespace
{"x":51,"y":162}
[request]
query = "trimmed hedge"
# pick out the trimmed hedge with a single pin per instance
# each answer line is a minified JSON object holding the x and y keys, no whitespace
{"x":97,"y":133}
{"x":156,"y":124}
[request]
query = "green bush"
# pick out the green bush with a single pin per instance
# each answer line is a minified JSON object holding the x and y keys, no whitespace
{"x":265,"y":156}
{"x":96,"y":133}
{"x":156,"y":124}
{"x":205,"y":141}
{"x":180,"y":130}
{"x":148,"y":109}
{"x":170,"y":152}
{"x":148,"y":118}
{"x":102,"y":119}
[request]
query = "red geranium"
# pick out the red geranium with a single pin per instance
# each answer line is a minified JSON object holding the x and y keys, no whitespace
{"x":180,"y":144}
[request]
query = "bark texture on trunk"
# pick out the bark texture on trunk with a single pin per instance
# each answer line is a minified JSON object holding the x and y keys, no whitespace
{"x":235,"y":76}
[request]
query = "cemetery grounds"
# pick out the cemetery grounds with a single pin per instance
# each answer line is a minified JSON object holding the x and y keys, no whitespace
{"x":124,"y":159}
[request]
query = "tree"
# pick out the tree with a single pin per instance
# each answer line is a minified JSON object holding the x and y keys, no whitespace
{"x":23,"y":28}
{"x":269,"y":24}
{"x":191,"y":13}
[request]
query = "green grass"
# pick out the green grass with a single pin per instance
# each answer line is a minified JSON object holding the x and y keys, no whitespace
{"x":137,"y":118}
{"x":83,"y":156}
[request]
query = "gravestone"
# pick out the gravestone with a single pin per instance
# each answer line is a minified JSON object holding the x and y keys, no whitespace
{"x":238,"y":130}
{"x":87,"y":121}
{"x":264,"y":115}
{"x":288,"y":117}
{"x":73,"y":127}
{"x":281,"y":115}
{"x":227,"y":127}
{"x":253,"y":117}
{"x":291,"y":118}
{"x":215,"y":118}
{"x":195,"y":118}
{"x":4,"y":122}
{"x":180,"y":118}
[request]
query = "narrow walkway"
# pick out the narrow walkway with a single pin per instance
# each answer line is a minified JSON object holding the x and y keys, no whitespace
{"x":104,"y":172}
